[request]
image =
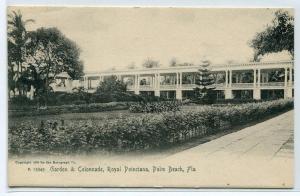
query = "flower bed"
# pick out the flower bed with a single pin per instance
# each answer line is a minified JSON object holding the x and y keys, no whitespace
{"x":137,"y":133}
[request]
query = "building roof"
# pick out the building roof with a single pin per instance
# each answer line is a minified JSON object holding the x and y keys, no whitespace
{"x":63,"y":75}
{"x":216,"y":67}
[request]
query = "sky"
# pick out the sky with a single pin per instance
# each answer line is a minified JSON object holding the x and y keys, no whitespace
{"x":116,"y":37}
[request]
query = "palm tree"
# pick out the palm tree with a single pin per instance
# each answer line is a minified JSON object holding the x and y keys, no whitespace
{"x":17,"y":40}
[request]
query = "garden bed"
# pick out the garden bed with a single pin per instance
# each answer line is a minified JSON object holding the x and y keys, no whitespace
{"x":142,"y":132}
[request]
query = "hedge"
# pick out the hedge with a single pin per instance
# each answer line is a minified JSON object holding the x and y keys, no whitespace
{"x":83,"y":108}
{"x":75,"y":98}
{"x":143,"y":132}
{"x":155,"y":107}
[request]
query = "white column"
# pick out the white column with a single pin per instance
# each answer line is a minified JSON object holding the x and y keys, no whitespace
{"x":85,"y":82}
{"x":226,"y":78}
{"x":256,"y":93}
{"x":179,"y":94}
{"x":228,"y":93}
{"x":256,"y":89}
{"x":180,"y":80}
{"x":254,"y":80}
{"x":288,"y":92}
{"x":138,"y":82}
{"x":177,"y":81}
{"x":285,"y":77}
{"x":157,"y":93}
{"x":228,"y":90}
{"x":31,"y":96}
{"x":230,"y":78}
{"x":157,"y":86}
{"x":289,"y":88}
{"x":158,"y":81}
{"x":178,"y":86}
{"x":135,"y":81}
{"x":290,"y":76}
{"x":136,"y":85}
{"x":258,"y":79}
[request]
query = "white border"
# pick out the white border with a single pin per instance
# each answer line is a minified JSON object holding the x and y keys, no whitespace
{"x":142,"y":3}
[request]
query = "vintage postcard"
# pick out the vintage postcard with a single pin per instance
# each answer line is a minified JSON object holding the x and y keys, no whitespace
{"x":150,"y":97}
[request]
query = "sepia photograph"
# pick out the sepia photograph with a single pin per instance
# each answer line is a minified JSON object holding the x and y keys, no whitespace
{"x":150,"y":97}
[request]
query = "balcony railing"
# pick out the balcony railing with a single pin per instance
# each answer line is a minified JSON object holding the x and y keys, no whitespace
{"x":149,"y":87}
{"x":272,"y":84}
{"x":167,"y":86}
{"x":146,"y":87}
{"x":221,"y":85}
{"x":189,"y":85}
{"x":245,"y":85}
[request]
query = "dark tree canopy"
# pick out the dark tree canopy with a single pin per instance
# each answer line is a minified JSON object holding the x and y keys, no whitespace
{"x":277,"y":37}
{"x":52,"y":53}
{"x":17,"y":36}
{"x":17,"y":41}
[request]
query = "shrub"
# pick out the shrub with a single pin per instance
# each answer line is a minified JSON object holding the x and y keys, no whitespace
{"x":147,"y":131}
{"x":18,"y":102}
{"x":155,"y":107}
{"x":81,"y":108}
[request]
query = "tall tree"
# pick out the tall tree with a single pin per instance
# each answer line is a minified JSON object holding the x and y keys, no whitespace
{"x":204,"y":92}
{"x":276,"y":37}
{"x":18,"y":39}
{"x":50,"y":53}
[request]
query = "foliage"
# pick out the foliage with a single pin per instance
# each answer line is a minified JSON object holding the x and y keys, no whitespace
{"x":17,"y":41}
{"x":110,"y":85}
{"x":19,"y":102}
{"x":155,"y":107}
{"x":78,"y":97}
{"x":147,"y":131}
{"x":50,"y":53}
{"x":150,"y":63}
{"x":79,"y":108}
{"x":38,"y":56}
{"x":276,"y":37}
{"x":112,"y":89}
{"x":204,"y":92}
{"x":173,"y":62}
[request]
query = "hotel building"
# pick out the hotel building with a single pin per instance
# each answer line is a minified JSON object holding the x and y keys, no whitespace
{"x":257,"y":80}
